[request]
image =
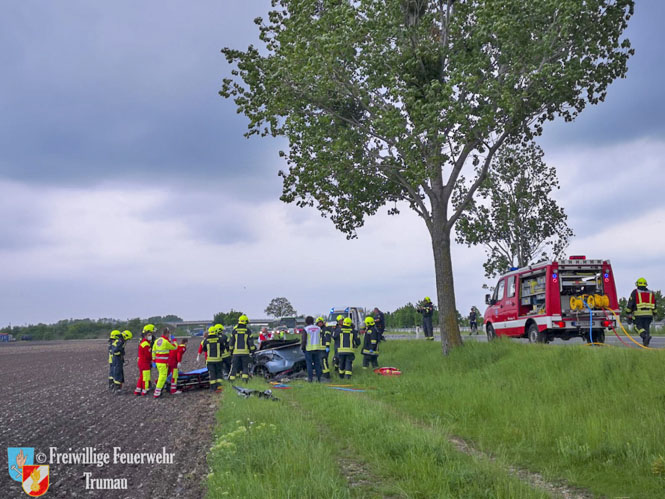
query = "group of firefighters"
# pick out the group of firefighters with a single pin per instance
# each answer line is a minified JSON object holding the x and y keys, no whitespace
{"x":229,"y":357}
{"x":165,"y":353}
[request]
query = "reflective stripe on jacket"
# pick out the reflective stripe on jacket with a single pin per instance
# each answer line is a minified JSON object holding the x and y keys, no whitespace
{"x":645,"y":303}
{"x":161,"y":349}
{"x":314,"y":340}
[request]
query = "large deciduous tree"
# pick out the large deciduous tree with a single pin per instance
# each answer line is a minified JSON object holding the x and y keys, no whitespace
{"x":516,"y":219}
{"x":280,"y":307}
{"x":405,"y":100}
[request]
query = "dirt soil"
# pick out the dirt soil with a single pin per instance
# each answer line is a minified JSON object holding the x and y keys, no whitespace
{"x":54,"y":394}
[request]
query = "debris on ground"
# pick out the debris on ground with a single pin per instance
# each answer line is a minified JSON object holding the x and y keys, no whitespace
{"x":388,"y":371}
{"x":247,"y":392}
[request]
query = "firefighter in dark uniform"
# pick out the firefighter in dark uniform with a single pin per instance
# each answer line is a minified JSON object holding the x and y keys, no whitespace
{"x":213,"y":346}
{"x":241,"y":346}
{"x":426,"y":308}
{"x":379,"y":322}
{"x":335,"y":337}
{"x":347,"y":338}
{"x":371,"y":340}
{"x":118,"y":354}
{"x":226,"y":356}
{"x":641,"y":308}
{"x":473,"y":321}
{"x":326,"y":337}
{"x":115,"y":334}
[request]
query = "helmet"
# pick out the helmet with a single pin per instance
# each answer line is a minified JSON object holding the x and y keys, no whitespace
{"x":427,"y":298}
{"x":641,"y":282}
{"x":369,"y":321}
{"x":212,"y":329}
{"x":340,"y":317}
{"x":127,"y":335}
{"x":243,"y":319}
{"x":348,"y":321}
{"x":219,"y":328}
{"x":115,"y":334}
{"x":148,"y":328}
{"x":320,"y":319}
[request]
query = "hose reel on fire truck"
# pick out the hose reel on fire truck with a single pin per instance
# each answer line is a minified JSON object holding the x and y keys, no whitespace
{"x":593,"y":301}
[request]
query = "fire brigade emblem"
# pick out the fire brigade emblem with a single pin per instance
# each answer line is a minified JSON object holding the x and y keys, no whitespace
{"x":35,"y":480}
{"x":17,"y":457}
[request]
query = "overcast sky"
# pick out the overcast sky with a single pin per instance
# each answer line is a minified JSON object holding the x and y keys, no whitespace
{"x":128,"y":190}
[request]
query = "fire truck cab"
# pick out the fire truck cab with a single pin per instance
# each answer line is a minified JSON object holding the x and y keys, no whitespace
{"x":558,"y":299}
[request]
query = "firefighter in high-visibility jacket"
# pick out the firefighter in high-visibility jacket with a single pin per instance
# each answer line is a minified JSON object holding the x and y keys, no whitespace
{"x":348,"y":341}
{"x":641,"y":308}
{"x":160,"y":354}
{"x":326,"y":336}
{"x":371,"y":340}
{"x":241,"y":345}
{"x":174,"y":363}
{"x":214,"y":347}
{"x":118,"y":355}
{"x":226,"y":353}
{"x":112,"y":337}
{"x":335,"y":338}
{"x":144,"y":361}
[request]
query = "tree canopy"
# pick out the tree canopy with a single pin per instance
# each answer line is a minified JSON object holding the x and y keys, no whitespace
{"x":516,"y":220}
{"x":280,"y":307}
{"x":387,"y":101}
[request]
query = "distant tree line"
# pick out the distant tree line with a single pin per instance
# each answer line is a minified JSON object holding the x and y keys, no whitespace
{"x":227,"y":318}
{"x":407,"y":316}
{"x":76,"y":329}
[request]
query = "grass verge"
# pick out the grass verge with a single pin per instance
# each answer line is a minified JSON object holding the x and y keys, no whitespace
{"x":591,"y":417}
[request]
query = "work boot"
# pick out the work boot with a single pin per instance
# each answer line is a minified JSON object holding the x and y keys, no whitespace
{"x":647,"y":340}
{"x":158,"y":393}
{"x":144,"y":393}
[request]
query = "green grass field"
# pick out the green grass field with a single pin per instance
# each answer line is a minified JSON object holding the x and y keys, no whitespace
{"x":590,"y":418}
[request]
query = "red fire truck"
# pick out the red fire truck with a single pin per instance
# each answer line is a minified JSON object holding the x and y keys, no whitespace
{"x":559,"y":299}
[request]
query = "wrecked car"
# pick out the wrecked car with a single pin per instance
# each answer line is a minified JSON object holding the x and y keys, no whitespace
{"x":277,"y":358}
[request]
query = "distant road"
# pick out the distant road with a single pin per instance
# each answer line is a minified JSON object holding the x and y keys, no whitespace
{"x":656,"y":341}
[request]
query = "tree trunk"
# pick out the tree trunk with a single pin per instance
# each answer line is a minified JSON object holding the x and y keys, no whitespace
{"x":445,"y":289}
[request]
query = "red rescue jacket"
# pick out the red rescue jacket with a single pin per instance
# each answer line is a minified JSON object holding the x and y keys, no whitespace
{"x":202,"y":351}
{"x":145,"y":355}
{"x":176,"y":355}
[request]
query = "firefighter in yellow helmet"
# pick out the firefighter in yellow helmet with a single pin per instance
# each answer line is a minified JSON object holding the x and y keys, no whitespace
{"x":335,"y":338}
{"x":371,"y":340}
{"x":326,"y":335}
{"x":347,"y":336}
{"x":118,"y":359}
{"x":115,"y":334}
{"x":160,"y":354}
{"x":241,"y":345}
{"x":426,"y":308}
{"x":641,"y":308}
{"x":214,"y":347}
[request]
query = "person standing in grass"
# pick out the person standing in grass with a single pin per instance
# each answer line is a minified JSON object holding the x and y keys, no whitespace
{"x":312,"y":344}
{"x":426,"y":308}
{"x":371,"y":340}
{"x":348,"y":340}
{"x":241,"y":346}
{"x":335,"y":337}
{"x":326,"y":331}
{"x":379,"y":322}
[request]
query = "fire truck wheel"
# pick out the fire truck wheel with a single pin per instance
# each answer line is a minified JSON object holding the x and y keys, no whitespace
{"x":536,"y":336}
{"x":598,"y":337}
{"x":491,"y":335}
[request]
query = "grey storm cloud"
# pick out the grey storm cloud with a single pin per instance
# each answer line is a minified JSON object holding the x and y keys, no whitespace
{"x":129,"y":92}
{"x":634,"y":106}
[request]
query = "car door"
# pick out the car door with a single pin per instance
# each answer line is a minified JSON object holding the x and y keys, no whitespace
{"x":496,"y":309}
{"x":509,"y":308}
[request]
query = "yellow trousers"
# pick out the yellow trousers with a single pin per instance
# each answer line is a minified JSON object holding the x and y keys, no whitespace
{"x":163,"y":371}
